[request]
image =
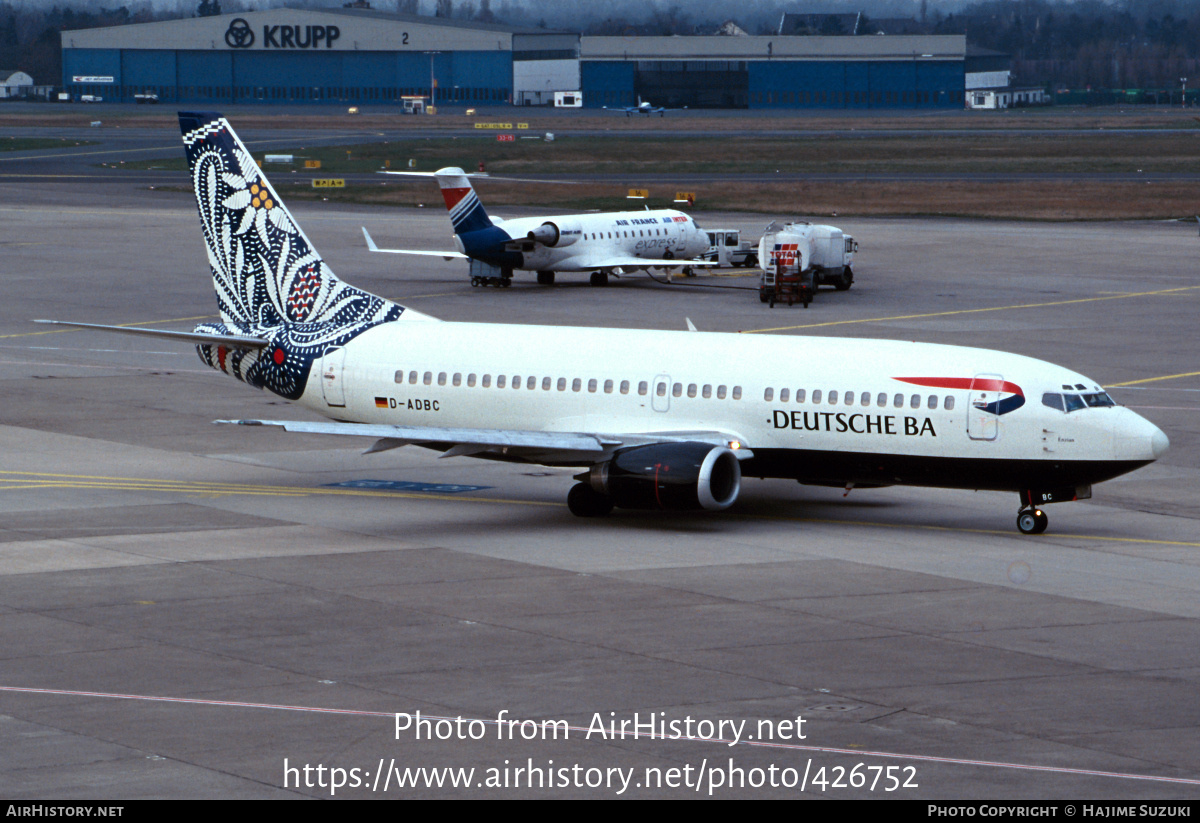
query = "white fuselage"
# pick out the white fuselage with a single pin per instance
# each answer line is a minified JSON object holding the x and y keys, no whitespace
{"x":761,"y":390}
{"x":587,"y":242}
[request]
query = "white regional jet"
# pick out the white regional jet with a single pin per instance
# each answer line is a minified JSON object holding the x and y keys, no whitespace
{"x":658,"y":419}
{"x":603,"y":244}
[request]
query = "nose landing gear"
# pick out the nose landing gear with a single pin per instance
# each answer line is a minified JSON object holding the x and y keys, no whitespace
{"x":1032,"y":521}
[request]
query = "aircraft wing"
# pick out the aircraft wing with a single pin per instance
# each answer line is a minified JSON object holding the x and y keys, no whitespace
{"x":590,"y":446}
{"x":445,"y":255}
{"x":233,"y":341}
{"x":616,"y":262}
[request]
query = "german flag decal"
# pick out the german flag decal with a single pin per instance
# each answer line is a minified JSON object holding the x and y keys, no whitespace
{"x":381,"y":403}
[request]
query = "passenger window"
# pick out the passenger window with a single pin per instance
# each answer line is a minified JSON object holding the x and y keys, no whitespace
{"x":677,"y":390}
{"x":865,"y":399}
{"x":737,"y":392}
{"x":914,"y":402}
{"x":592,"y":385}
{"x":707,"y":391}
{"x":832,"y":398}
{"x":500,"y":381}
{"x":691,"y":389}
{"x":516,"y":381}
{"x":898,"y":401}
{"x":800,"y":395}
{"x":576,"y":384}
{"x":643,"y":387}
{"x":471,"y":380}
{"x":531,"y":383}
{"x":720,"y":392}
{"x":848,"y":397}
{"x":547,"y":383}
{"x":428,"y":378}
{"x":783,"y":395}
{"x":457,"y":379}
{"x":949,"y":404}
{"x":624,"y":387}
{"x":608,"y":386}
{"x":441,"y":378}
{"x":881,"y":400}
{"x":661,"y":389}
{"x":412,"y":378}
{"x":769,"y":394}
{"x":816,"y":396}
{"x":931,"y":402}
{"x":487,"y":381}
{"x":400,"y":376}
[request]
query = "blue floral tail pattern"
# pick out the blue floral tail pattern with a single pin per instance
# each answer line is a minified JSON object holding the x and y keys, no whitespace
{"x":270,"y":281}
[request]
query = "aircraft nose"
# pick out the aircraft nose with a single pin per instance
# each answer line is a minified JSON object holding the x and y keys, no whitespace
{"x":1159,"y":443}
{"x":1136,"y":438}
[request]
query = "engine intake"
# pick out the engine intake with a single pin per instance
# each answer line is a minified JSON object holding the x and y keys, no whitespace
{"x":672,"y":476}
{"x":562,"y":233}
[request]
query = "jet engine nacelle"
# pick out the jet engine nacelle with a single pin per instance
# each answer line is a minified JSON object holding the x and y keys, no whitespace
{"x":675,"y":476}
{"x":556,"y":234}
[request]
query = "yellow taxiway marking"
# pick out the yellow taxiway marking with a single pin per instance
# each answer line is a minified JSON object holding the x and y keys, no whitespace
{"x":119,"y":325}
{"x":1154,"y":379}
{"x":975,"y":311}
{"x":15,"y":480}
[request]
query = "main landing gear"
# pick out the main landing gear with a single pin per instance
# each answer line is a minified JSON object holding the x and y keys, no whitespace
{"x":1032,"y":521}
{"x":545,"y":278}
{"x":599,"y":278}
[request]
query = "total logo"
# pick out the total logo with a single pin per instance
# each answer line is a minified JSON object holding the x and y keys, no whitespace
{"x":240,"y":35}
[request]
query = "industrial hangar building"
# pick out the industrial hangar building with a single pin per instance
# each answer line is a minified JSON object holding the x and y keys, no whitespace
{"x":366,"y":57}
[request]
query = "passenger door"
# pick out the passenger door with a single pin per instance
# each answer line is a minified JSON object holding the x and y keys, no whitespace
{"x":984,"y":391}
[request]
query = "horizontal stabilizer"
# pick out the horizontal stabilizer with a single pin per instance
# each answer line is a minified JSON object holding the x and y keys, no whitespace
{"x":233,"y":341}
{"x":445,"y":255}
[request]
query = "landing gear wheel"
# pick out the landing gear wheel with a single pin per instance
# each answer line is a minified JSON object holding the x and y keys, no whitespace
{"x":668,"y":255}
{"x":584,"y":501}
{"x":546,"y":278}
{"x":505,"y":282}
{"x":751,"y":261}
{"x":599,"y":278}
{"x":762,"y":296}
{"x":475,"y":281}
{"x":1032,"y":521}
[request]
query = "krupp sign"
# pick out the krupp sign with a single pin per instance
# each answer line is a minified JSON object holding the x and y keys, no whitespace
{"x":240,"y":35}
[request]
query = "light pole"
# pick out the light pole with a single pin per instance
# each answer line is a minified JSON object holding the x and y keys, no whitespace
{"x":1183,"y":102}
{"x":432,"y":83}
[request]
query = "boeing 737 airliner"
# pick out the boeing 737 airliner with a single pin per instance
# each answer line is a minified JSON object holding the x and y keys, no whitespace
{"x":654,"y":419}
{"x":603,"y":244}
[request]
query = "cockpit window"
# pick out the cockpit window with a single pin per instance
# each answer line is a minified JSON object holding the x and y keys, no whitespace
{"x":1054,"y":401}
{"x":1077,"y":402}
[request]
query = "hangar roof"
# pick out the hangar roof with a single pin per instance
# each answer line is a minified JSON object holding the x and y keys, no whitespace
{"x":777,"y":47}
{"x":357,"y":29}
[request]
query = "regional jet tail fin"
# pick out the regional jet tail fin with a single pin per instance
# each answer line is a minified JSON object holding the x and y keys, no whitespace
{"x":466,"y":212}
{"x":445,"y":255}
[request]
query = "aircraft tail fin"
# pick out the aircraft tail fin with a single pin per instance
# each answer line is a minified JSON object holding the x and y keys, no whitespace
{"x":271,"y":283}
{"x":466,"y":212}
{"x":265,"y":271}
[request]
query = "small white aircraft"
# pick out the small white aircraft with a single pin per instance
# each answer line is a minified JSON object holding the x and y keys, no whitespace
{"x":643,"y":107}
{"x":654,"y":419}
{"x":607,"y":243}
